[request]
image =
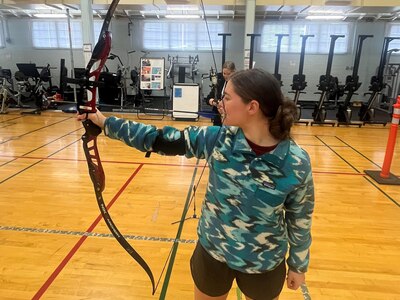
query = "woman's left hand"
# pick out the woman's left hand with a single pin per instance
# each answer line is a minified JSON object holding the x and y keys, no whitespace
{"x":97,"y":118}
{"x":294,"y":280}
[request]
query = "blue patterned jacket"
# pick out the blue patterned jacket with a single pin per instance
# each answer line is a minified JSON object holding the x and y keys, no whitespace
{"x":256,"y":207}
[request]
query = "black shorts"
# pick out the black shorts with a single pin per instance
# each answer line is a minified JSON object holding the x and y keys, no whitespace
{"x":215,"y":278}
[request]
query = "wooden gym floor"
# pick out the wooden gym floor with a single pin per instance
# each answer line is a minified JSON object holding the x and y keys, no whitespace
{"x":54,"y":245}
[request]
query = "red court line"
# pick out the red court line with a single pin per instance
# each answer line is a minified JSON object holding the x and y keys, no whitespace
{"x":152,"y":164}
{"x":103,"y":161}
{"x":76,"y":247}
{"x":337,"y":173}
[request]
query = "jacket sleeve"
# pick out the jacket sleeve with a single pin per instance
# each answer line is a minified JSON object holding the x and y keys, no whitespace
{"x":299,"y":207}
{"x":193,"y":141}
{"x":137,"y":135}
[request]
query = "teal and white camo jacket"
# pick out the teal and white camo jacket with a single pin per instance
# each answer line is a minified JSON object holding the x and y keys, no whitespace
{"x":255,"y":206}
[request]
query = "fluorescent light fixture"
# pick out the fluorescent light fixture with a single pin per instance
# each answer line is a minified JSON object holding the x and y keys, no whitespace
{"x":149,"y":12}
{"x":182,"y":16}
{"x":328,"y":12}
{"x":324,"y":17}
{"x":182,"y":7}
{"x":50,"y":16}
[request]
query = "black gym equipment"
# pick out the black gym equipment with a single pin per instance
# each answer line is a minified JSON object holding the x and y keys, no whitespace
{"x":344,"y":112}
{"x":277,"y":58}
{"x":299,"y":80}
{"x":252,"y":38}
{"x":38,"y":91}
{"x":63,"y":74}
{"x":6,"y":92}
{"x":367,"y":112}
{"x":224,"y":35}
{"x":109,"y":93}
{"x":327,"y":85}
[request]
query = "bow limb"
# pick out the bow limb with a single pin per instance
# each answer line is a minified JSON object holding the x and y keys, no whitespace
{"x":89,"y":138}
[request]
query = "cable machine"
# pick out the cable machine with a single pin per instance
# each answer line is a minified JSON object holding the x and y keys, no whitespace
{"x":367,"y":112}
{"x":344,"y":112}
{"x":327,"y":84}
{"x":299,"y":80}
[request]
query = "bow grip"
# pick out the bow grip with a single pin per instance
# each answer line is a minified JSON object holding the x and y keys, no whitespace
{"x":91,"y":129}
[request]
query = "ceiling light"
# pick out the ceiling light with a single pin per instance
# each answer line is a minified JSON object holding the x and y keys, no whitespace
{"x":328,"y":12}
{"x":182,"y":16}
{"x":182,"y":7}
{"x":324,"y":17}
{"x":50,"y":16}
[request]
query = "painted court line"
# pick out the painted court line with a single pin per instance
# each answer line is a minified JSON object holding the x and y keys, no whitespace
{"x":72,"y":252}
{"x":95,"y":234}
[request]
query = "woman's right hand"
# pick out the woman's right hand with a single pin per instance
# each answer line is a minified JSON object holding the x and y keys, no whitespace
{"x":97,"y":118}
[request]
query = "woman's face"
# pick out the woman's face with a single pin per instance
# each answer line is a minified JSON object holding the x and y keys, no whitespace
{"x":233,"y":110}
{"x":227,"y":73}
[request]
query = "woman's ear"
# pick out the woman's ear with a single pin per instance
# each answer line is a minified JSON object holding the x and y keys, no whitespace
{"x":254,"y":107}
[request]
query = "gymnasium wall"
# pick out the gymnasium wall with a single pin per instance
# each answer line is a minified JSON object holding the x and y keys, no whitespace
{"x":19,"y":49}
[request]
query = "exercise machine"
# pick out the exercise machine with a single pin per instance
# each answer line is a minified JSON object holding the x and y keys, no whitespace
{"x":122,"y":71}
{"x":391,"y":78}
{"x":251,"y":55}
{"x":299,"y":80}
{"x":182,"y":68}
{"x":5,"y":90}
{"x":277,"y":57}
{"x":377,"y":84}
{"x":327,"y":85}
{"x":224,"y":35}
{"x":352,"y":84}
{"x":28,"y":72}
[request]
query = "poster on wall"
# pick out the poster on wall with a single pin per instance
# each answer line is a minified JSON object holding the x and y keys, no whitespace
{"x":152,"y":73}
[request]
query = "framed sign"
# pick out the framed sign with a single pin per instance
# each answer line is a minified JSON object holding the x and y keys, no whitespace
{"x":152,"y":73}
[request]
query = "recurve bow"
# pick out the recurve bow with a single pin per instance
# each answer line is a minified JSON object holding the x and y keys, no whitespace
{"x":90,"y":82}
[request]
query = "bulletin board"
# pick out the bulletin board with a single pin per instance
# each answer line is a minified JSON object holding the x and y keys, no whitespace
{"x":152,"y":73}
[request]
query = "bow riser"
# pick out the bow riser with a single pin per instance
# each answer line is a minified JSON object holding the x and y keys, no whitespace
{"x":96,"y":171}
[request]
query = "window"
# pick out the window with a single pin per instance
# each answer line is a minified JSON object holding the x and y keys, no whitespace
{"x":54,"y":34}
{"x":320,"y":43}
{"x":182,"y":35}
{"x":394,"y":31}
{"x":97,"y":25}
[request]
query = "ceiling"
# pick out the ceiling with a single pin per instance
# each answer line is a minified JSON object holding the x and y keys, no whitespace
{"x":229,"y":9}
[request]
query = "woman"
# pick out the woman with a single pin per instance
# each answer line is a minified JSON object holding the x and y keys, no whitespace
{"x":215,"y":95}
{"x":260,"y":195}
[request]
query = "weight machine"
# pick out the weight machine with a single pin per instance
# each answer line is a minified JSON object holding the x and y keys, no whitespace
{"x":377,"y":84}
{"x":344,"y":112}
{"x":299,"y":80}
{"x":182,"y":67}
{"x":327,"y":85}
